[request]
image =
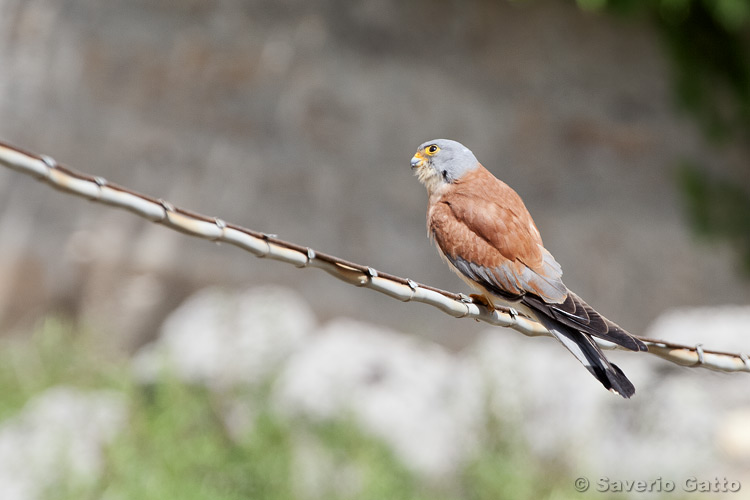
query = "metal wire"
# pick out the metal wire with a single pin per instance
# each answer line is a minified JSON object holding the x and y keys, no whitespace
{"x":46,"y":169}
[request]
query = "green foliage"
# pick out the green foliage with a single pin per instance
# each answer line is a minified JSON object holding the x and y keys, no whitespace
{"x":708,"y":43}
{"x":176,"y":447}
{"x":56,"y":353}
{"x":176,"y":444}
{"x":712,"y":67}
{"x":499,"y":474}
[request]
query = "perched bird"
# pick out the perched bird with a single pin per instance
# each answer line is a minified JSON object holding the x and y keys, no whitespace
{"x":485,"y":233}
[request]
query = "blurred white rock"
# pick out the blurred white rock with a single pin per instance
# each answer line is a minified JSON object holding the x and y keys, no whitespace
{"x":682,"y":421}
{"x":412,"y":394}
{"x":722,"y":328}
{"x":706,"y":412}
{"x":59,"y":434}
{"x":221,"y":338}
{"x":734,"y":435}
{"x":536,"y":386}
{"x":429,"y":405}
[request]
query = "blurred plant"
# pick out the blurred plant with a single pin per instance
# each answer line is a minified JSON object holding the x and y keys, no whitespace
{"x":177,"y":444}
{"x":56,"y":353}
{"x":708,"y":42}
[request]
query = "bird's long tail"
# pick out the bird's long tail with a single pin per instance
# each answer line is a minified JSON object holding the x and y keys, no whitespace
{"x":583,"y":347}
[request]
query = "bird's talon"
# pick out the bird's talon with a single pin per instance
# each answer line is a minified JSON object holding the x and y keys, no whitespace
{"x":481,"y":299}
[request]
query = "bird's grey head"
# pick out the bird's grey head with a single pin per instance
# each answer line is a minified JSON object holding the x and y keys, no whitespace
{"x":442,"y":161}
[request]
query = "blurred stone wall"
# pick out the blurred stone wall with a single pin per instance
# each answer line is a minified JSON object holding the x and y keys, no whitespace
{"x":299,"y":118}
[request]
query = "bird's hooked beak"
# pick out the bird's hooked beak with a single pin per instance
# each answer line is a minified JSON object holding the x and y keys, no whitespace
{"x":417,"y":161}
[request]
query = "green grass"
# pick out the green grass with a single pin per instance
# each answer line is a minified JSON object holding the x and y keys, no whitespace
{"x":55,"y":353}
{"x":176,"y":445}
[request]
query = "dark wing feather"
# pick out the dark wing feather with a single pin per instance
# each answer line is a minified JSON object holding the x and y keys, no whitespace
{"x":573,"y":312}
{"x":592,"y":357}
{"x":576,"y":313}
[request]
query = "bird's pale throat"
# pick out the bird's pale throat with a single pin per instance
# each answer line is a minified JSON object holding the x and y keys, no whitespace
{"x":429,"y":178}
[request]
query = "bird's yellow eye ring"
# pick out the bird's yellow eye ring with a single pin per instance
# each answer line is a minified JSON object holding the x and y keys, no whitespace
{"x":431,"y":149}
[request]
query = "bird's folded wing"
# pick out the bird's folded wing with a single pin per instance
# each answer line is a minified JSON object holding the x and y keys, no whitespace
{"x":485,"y":231}
{"x":483,"y":228}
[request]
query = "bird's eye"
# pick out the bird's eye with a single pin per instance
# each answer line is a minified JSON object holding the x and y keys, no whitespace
{"x":432,"y":149}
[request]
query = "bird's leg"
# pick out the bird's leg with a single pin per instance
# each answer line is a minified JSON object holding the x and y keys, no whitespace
{"x":484,"y":300}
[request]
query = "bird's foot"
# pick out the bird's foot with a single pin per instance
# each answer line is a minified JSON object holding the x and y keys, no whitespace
{"x":484,"y":300}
